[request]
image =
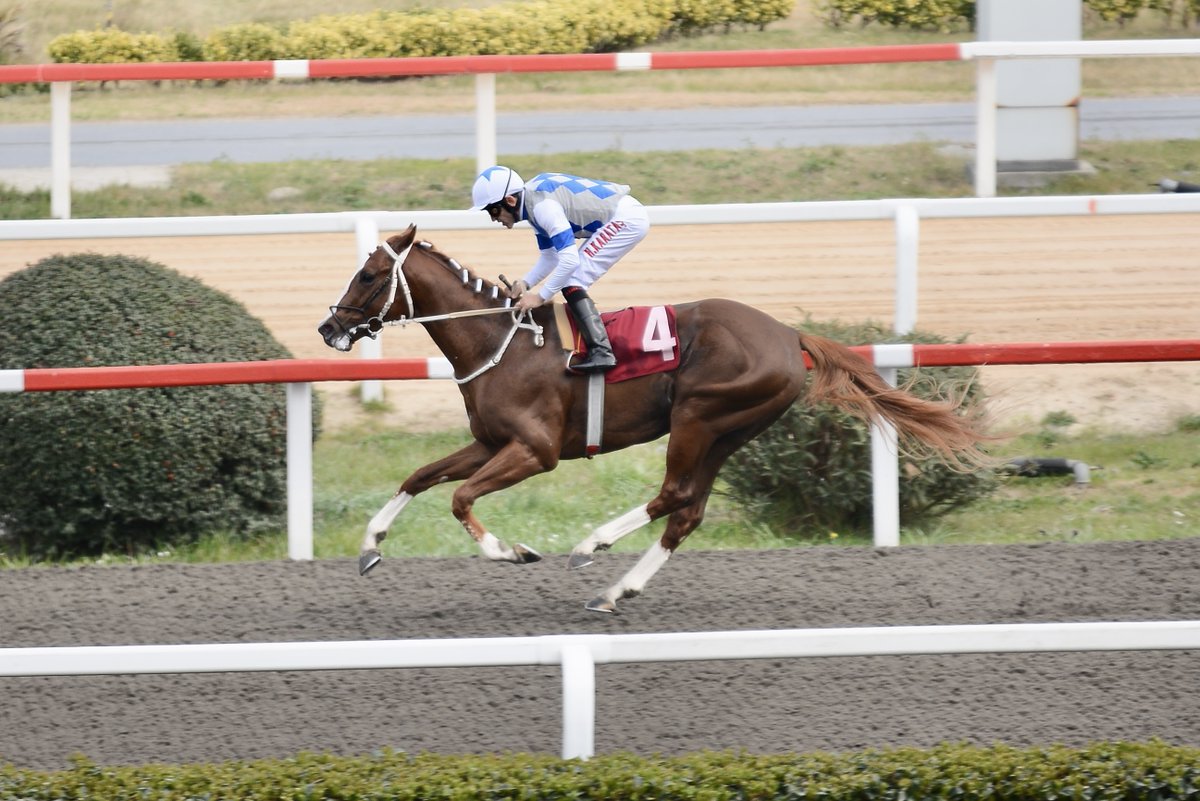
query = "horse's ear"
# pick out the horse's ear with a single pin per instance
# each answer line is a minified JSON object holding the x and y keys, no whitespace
{"x":403,"y":240}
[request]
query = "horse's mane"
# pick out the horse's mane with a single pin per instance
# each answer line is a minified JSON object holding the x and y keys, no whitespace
{"x":469,"y":280}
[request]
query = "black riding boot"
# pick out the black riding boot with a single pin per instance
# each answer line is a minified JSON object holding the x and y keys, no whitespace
{"x":599,"y":350}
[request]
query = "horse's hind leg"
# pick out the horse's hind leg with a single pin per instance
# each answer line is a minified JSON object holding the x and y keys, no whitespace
{"x":603,"y":537}
{"x":684,"y":496}
{"x":456,"y":466}
{"x":681,"y":523}
{"x":693,"y":460}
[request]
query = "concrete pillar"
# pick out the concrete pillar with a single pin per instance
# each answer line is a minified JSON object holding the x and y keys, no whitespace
{"x":1037,"y":100}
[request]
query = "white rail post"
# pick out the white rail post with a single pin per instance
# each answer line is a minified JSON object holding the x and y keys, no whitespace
{"x":60,"y":150}
{"x":885,"y":478}
{"x":885,"y":449}
{"x":908,"y":239}
{"x":366,"y":239}
{"x":485,"y":121}
{"x":299,"y":471}
{"x":579,"y":702}
{"x":985,"y":127}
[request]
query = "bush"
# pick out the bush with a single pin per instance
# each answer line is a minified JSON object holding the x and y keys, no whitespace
{"x":251,"y":41}
{"x":87,"y":472}
{"x":938,"y":15}
{"x":946,"y":15}
{"x":111,"y":46}
{"x":511,"y":28}
{"x":811,"y":470}
{"x":1098,"y":772}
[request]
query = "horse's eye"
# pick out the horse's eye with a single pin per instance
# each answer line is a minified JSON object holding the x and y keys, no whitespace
{"x":365,"y":278}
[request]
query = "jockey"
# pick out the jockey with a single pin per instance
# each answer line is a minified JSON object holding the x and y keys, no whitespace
{"x":562,"y":208}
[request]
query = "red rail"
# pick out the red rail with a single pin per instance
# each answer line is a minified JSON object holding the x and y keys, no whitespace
{"x":464,"y":65}
{"x":311,"y":370}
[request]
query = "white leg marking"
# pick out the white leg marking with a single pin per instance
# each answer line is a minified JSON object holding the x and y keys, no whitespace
{"x":495,"y":550}
{"x":607,"y":534}
{"x":382,"y":521}
{"x":633,"y":582}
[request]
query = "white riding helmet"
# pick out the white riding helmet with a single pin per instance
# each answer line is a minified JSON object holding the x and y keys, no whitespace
{"x":493,"y":185}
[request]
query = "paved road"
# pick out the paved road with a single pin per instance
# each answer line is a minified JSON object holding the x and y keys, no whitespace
{"x":117,"y":144}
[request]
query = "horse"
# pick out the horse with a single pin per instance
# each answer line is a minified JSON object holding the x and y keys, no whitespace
{"x":738,"y":371}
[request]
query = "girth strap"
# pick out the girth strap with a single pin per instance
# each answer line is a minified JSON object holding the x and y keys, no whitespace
{"x":595,"y":414}
{"x":595,"y":407}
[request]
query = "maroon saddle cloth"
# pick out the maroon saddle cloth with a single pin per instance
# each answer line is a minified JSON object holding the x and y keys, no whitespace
{"x":643,"y":338}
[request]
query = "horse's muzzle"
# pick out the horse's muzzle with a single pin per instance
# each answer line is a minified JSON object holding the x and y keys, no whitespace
{"x":335,"y":335}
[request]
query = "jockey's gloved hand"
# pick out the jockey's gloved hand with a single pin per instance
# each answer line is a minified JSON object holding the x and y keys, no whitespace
{"x":517,"y":289}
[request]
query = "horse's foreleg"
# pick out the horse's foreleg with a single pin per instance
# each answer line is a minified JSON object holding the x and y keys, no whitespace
{"x":603,"y":537}
{"x":458,"y":465}
{"x":377,"y":528}
{"x":514,"y":463}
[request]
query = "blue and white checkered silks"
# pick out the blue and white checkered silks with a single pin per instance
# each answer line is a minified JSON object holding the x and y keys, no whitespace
{"x":588,"y":203}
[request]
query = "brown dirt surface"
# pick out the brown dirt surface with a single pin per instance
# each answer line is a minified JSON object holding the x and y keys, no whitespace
{"x":991,"y":280}
{"x":763,"y":706}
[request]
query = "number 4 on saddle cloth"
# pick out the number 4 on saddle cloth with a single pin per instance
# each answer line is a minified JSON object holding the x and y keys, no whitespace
{"x":643,"y":339}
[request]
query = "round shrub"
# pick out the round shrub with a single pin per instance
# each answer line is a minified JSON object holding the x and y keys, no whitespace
{"x":129,"y":470}
{"x":810,"y":472}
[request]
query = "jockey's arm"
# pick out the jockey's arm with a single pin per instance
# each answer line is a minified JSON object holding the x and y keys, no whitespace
{"x":558,"y":257}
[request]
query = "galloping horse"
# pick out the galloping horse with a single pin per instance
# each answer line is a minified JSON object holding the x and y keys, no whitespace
{"x":738,"y":371}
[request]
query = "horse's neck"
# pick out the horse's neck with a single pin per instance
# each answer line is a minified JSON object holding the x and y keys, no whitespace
{"x":440,"y":289}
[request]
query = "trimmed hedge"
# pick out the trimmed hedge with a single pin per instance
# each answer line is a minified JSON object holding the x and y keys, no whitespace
{"x":811,"y":470}
{"x":1100,"y":772}
{"x":515,"y":28}
{"x":948,"y":15}
{"x":88,"y":472}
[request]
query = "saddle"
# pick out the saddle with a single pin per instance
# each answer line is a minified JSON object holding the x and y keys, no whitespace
{"x":644,"y":340}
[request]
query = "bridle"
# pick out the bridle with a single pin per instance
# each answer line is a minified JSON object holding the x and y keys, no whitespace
{"x":375,"y":324}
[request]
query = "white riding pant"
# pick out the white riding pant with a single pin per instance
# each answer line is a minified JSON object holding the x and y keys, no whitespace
{"x":606,"y":247}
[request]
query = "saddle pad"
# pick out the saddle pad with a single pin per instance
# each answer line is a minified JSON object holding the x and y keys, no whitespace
{"x":644,"y":340}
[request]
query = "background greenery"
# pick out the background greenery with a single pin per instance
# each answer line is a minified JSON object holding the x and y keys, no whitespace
{"x":1099,"y":772}
{"x":132,"y":470}
{"x":917,"y":169}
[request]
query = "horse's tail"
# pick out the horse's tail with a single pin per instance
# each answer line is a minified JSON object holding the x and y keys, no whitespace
{"x":850,"y":383}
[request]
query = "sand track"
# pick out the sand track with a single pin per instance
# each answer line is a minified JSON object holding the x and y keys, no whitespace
{"x":991,"y":280}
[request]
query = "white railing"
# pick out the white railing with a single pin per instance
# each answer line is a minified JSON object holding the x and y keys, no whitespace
{"x":366,"y":226}
{"x":579,"y":654}
{"x":485,"y":68}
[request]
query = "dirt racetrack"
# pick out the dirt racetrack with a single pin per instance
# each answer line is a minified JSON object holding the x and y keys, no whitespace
{"x":990,"y":280}
{"x":760,"y":705}
{"x":993,"y":280}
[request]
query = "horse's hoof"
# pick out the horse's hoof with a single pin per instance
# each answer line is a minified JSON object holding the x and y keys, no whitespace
{"x":368,"y":560}
{"x":578,"y":560}
{"x":601,"y":605}
{"x":526,"y":555}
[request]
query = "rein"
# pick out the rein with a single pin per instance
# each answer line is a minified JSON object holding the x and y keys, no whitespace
{"x":375,"y":324}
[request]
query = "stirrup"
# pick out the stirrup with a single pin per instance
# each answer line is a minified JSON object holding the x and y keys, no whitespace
{"x":586,"y":366}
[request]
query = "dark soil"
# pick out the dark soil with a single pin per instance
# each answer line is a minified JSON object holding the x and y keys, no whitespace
{"x":667,"y":708}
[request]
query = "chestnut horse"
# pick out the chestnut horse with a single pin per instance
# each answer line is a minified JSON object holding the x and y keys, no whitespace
{"x":739,"y":370}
